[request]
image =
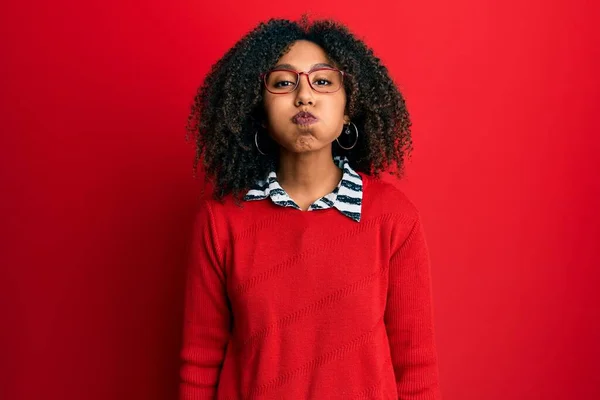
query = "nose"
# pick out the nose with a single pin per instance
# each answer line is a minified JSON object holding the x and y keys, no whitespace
{"x":304,"y":93}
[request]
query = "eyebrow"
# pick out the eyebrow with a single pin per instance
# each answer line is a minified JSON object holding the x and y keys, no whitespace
{"x":290,"y":66}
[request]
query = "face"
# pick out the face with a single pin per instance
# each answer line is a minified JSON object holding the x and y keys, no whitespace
{"x":328,"y":108}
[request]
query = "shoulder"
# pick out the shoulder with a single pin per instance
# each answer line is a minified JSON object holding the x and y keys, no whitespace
{"x":229,"y":215}
{"x":210,"y":213}
{"x":214,"y":210}
{"x":381,"y":196}
{"x":394,"y":211}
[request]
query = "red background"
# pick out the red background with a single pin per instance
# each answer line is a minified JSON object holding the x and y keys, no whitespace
{"x":97,"y":192}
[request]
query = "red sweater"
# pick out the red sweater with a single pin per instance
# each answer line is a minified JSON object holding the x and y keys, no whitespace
{"x":290,"y":304}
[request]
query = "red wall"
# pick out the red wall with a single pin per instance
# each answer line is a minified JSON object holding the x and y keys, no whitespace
{"x":97,"y":193}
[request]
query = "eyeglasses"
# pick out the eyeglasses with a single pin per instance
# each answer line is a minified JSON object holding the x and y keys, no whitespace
{"x":322,"y":80}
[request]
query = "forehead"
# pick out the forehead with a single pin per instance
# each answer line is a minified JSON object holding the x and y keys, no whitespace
{"x":304,"y":55}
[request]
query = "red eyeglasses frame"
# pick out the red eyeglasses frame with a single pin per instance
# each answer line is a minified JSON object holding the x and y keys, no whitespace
{"x":263,"y":78}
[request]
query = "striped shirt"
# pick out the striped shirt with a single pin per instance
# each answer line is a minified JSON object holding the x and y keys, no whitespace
{"x":346,"y":197}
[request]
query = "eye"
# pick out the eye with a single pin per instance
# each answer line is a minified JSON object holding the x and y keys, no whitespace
{"x":284,"y":83}
{"x":322,"y":82}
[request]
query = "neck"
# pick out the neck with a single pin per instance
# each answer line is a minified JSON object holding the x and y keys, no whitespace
{"x":307,"y":177}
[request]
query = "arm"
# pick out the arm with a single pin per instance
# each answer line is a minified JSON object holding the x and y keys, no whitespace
{"x":207,"y":316}
{"x":409,"y":319}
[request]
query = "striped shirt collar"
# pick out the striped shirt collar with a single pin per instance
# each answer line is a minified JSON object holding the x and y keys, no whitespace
{"x":346,"y":197}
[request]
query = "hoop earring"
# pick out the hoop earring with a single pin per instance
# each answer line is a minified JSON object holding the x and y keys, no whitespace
{"x":347,"y":132}
{"x":256,"y":143}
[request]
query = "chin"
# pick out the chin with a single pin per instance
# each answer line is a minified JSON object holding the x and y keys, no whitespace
{"x":305,"y":129}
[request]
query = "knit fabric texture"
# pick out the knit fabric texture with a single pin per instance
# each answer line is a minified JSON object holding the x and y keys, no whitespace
{"x":289,"y":304}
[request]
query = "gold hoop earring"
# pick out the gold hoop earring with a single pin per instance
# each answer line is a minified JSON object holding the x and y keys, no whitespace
{"x":347,"y":132}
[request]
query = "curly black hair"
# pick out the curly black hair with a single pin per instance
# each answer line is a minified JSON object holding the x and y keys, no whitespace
{"x":227,"y":110}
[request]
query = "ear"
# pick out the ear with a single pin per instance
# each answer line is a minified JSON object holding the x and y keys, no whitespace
{"x":346,"y":119}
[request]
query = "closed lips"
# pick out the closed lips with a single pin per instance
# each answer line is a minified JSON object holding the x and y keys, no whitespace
{"x":303,"y":115}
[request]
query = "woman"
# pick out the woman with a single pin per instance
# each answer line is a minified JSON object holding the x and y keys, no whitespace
{"x":309,"y":276}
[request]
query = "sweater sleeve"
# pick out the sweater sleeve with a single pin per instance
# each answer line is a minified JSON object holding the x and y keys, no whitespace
{"x":207,"y":317}
{"x":409,"y":319}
